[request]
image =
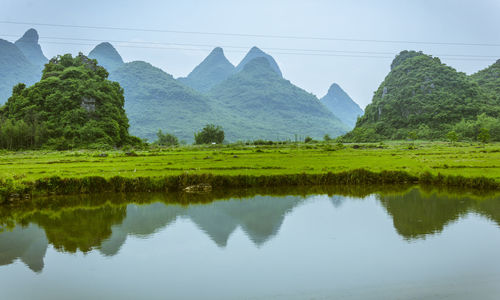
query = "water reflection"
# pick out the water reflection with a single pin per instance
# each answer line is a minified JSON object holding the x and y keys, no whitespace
{"x":92,"y":222}
{"x":28,"y":244}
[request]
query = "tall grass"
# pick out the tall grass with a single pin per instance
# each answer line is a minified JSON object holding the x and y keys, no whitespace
{"x":15,"y":191}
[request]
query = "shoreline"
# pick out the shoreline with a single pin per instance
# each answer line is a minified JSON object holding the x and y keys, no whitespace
{"x":466,"y":166}
{"x":11,"y":191}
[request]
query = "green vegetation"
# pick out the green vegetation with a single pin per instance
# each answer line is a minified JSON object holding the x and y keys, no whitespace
{"x":73,"y":105}
{"x":209,"y":134}
{"x":231,"y":166}
{"x":275,"y":108}
{"x":155,"y":100}
{"x":255,"y":102}
{"x":452,"y":136}
{"x":166,"y":139}
{"x":424,"y":96}
{"x":484,"y":135}
{"x":489,"y":80}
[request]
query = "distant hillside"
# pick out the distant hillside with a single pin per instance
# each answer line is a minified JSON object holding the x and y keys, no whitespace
{"x":341,"y":105}
{"x":106,"y":56}
{"x":277,"y":108}
{"x":420,"y":95}
{"x":155,"y":100}
{"x":28,"y":44}
{"x":489,"y":80}
{"x":14,"y":68}
{"x":214,"y":69}
{"x":255,"y":53}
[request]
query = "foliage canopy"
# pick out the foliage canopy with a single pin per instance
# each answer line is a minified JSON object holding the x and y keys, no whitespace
{"x":209,"y":134}
{"x":73,"y":105}
{"x":423,"y":96}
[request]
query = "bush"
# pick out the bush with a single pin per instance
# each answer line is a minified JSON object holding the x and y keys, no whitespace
{"x":452,"y":136}
{"x":166,"y":139}
{"x":484,"y":135}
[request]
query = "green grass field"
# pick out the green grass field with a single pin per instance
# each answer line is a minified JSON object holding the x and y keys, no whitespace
{"x":467,"y":160}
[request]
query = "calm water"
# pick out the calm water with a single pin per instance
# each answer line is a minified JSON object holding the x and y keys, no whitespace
{"x":406,"y":245}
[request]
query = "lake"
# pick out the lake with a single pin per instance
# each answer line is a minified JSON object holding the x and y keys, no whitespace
{"x":314,"y":244}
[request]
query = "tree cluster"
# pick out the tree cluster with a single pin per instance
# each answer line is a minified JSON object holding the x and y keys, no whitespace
{"x":73,"y":105}
{"x":209,"y":134}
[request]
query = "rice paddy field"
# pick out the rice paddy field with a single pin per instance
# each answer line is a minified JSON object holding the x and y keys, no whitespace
{"x":20,"y":170}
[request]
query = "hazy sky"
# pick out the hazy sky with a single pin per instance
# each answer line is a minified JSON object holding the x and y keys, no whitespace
{"x":448,"y":21}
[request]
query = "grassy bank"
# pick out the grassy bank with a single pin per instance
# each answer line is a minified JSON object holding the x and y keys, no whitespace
{"x":234,"y":166}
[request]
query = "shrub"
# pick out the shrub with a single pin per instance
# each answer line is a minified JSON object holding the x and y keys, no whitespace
{"x":166,"y":139}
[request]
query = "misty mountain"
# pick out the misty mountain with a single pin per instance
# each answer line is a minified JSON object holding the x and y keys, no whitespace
{"x":14,"y":68}
{"x":106,"y":56}
{"x":255,"y":53}
{"x":277,"y":108}
{"x":155,"y":100}
{"x":341,"y":105}
{"x":29,"y":46}
{"x":214,"y":69}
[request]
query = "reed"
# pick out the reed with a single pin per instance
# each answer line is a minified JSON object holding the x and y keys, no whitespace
{"x":14,"y":191}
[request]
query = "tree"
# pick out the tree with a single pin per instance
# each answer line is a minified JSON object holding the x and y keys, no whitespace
{"x":412,"y":135}
{"x":484,"y":135}
{"x":209,"y":134}
{"x":166,"y":139}
{"x":73,"y":105}
{"x":452,"y":136}
{"x":308,"y":139}
{"x":327,"y":138}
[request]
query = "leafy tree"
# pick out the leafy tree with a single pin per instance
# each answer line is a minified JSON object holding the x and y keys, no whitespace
{"x":209,"y":134}
{"x":452,"y":136}
{"x":470,"y":129}
{"x":484,"y":135}
{"x":412,"y":135}
{"x":166,"y":139}
{"x":327,"y":138}
{"x":73,"y":105}
{"x":308,"y":139}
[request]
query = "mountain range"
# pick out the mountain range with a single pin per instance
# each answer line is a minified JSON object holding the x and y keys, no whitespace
{"x":420,"y":97}
{"x":250,"y":101}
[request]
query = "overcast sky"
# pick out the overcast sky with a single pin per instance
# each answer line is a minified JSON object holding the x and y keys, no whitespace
{"x":448,"y":21}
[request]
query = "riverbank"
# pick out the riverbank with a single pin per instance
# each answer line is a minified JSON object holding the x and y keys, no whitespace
{"x":474,"y":166}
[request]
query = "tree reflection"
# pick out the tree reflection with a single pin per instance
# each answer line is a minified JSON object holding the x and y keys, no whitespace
{"x":103,"y":222}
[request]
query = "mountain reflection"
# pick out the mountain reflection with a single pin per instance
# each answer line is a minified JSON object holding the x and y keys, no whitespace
{"x":417,"y":213}
{"x":89,"y":222}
